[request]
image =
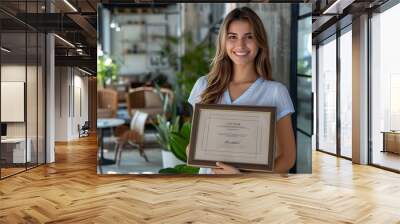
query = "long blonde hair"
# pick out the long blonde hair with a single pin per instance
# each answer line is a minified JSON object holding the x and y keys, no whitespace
{"x":221,"y":65}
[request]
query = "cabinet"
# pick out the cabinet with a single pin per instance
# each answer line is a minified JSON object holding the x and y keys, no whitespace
{"x":391,"y":141}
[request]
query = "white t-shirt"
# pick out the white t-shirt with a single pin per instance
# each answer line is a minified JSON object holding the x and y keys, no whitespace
{"x":260,"y":93}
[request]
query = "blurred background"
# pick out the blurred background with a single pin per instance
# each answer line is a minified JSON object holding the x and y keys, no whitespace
{"x":149,"y":57}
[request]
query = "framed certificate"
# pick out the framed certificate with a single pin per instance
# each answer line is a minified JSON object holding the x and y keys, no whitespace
{"x":241,"y":136}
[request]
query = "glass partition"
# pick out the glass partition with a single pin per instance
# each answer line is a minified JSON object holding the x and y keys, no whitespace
{"x":22,"y":94}
{"x":327,"y":96}
{"x":304,"y":112}
{"x":385,"y":89}
{"x":14,"y":152}
{"x":346,"y":93}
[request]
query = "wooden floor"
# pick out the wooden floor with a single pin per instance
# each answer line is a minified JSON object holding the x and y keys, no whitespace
{"x":10,"y":171}
{"x":70,"y":191}
{"x":387,"y":159}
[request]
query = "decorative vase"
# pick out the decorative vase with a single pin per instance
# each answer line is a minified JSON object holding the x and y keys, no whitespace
{"x":169,"y":159}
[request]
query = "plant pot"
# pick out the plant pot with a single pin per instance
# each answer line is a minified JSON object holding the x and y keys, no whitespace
{"x":169,"y":159}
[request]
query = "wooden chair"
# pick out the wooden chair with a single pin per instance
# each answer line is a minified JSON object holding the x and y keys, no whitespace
{"x":107,"y":103}
{"x":146,"y":99}
{"x":134,"y":136}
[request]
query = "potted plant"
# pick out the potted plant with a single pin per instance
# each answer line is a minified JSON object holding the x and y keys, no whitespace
{"x":173,"y":138}
{"x":107,"y":70}
{"x":179,"y":140}
{"x":165,"y":124}
{"x":164,"y":129}
{"x":194,"y":63}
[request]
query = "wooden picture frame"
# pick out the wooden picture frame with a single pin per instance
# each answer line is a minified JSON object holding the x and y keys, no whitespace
{"x":233,"y":134}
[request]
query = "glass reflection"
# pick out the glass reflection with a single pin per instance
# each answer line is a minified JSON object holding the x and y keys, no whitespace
{"x":13,"y":86}
{"x":327,"y":96}
{"x":345,"y":94}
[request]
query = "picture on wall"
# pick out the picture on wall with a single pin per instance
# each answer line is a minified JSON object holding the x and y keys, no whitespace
{"x":12,"y":98}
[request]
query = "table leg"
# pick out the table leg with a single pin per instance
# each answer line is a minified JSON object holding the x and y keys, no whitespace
{"x":103,"y":161}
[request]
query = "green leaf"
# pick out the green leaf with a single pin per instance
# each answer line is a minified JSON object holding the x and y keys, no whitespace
{"x":185,"y":131}
{"x":168,"y":171}
{"x":175,"y":125}
{"x":163,"y":130}
{"x":178,"y":146}
{"x":180,"y":169}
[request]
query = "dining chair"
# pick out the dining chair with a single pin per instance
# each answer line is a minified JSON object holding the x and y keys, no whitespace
{"x":148,"y":100}
{"x":133,"y":137}
{"x":107,"y":103}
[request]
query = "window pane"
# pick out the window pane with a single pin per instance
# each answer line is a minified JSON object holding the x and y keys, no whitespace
{"x":345,"y":94}
{"x":327,"y":97}
{"x":385,"y":84}
{"x":304,"y":94}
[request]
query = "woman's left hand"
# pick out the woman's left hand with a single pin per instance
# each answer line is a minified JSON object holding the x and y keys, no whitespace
{"x":223,"y":168}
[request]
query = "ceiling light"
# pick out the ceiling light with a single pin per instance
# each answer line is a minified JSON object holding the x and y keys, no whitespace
{"x":328,"y":10}
{"x":118,"y":29}
{"x":84,"y":71}
{"x":70,"y":5}
{"x":5,"y":49}
{"x":65,"y":41}
{"x":113,"y":25}
{"x":338,"y":6}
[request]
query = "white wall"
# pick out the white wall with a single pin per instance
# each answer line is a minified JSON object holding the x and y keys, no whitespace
{"x":33,"y":126}
{"x":17,"y":73}
{"x":71,"y":102}
{"x":61,"y":103}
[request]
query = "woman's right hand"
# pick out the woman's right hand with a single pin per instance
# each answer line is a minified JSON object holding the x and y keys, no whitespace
{"x":223,"y":168}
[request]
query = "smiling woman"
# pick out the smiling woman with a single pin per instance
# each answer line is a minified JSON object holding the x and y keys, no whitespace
{"x":241,"y":75}
{"x":240,"y":46}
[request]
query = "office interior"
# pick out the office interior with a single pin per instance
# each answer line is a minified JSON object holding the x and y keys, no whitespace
{"x":356,"y":82}
{"x":332,"y":41}
{"x":48,"y":81}
{"x":50,"y":75}
{"x":158,"y":46}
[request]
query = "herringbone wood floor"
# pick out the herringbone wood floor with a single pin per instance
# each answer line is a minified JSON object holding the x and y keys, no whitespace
{"x":70,"y":191}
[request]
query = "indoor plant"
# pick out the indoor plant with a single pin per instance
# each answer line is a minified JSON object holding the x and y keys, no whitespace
{"x":164,"y":129}
{"x":173,"y":138}
{"x":194,"y":63}
{"x":179,"y":140}
{"x":166,"y":123}
{"x":107,"y":70}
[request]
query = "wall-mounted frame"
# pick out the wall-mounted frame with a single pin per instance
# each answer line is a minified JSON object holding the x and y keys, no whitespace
{"x":12,"y":101}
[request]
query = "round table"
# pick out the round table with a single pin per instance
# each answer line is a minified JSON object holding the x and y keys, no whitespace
{"x":104,"y":123}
